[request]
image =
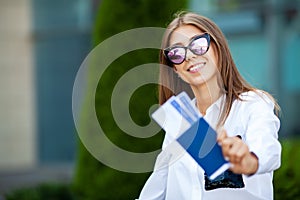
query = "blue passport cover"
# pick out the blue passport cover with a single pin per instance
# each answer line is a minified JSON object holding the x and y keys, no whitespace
{"x":200,"y":142}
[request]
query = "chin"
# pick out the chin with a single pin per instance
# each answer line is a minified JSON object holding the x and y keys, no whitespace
{"x":198,"y":82}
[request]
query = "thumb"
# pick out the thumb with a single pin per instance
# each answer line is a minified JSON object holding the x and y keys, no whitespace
{"x":221,"y":134}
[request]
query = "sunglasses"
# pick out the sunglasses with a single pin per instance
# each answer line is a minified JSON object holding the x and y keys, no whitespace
{"x":199,"y":45}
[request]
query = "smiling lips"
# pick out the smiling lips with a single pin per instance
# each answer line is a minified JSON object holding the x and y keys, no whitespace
{"x":195,"y":68}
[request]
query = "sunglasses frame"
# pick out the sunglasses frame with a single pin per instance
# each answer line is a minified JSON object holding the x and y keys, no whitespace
{"x":168,"y":49}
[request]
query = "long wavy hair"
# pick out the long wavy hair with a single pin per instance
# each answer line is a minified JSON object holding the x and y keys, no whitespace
{"x":232,"y":82}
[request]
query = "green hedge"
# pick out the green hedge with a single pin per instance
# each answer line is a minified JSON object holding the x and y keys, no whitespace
{"x":47,"y":191}
{"x":287,"y":177}
{"x":286,"y":181}
{"x":93,"y":180}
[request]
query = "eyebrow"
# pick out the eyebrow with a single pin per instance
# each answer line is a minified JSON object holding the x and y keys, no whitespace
{"x":177,"y":43}
{"x":181,"y":44}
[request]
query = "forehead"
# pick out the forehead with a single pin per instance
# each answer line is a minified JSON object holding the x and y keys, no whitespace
{"x":183,"y":34}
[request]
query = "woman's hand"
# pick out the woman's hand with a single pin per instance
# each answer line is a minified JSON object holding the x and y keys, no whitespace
{"x":238,"y":154}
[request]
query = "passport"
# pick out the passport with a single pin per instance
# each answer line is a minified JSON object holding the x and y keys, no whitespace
{"x":179,"y":117}
{"x":200,"y":142}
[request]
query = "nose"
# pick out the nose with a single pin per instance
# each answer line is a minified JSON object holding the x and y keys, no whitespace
{"x":189,"y":55}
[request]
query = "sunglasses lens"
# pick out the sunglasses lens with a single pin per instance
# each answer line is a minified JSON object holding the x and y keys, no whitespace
{"x":176,"y":55}
{"x":199,"y":46}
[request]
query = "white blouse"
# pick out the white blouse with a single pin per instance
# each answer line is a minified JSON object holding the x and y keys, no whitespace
{"x":254,"y":120}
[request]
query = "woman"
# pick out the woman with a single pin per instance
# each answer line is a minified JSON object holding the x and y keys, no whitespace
{"x":199,"y":62}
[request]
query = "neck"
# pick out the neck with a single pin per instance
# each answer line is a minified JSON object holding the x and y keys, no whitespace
{"x":205,"y":96}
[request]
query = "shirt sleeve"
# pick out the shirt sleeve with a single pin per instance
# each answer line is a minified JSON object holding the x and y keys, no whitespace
{"x":155,"y":187}
{"x":262,"y":127}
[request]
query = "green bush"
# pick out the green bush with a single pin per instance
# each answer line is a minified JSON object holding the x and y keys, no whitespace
{"x":286,"y":181}
{"x":93,"y":180}
{"x":287,"y":177}
{"x":42,"y":192}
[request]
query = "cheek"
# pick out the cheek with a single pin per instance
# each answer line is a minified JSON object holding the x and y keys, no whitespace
{"x":213,"y":52}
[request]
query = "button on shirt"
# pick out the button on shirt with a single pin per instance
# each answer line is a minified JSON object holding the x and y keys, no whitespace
{"x":254,"y":120}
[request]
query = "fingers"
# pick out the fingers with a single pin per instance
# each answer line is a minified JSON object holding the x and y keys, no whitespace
{"x":232,"y":147}
{"x":237,"y":151}
{"x":248,"y":165}
{"x":234,"y":150}
{"x":221,"y":135}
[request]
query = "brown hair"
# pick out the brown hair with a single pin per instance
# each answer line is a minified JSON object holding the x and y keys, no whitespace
{"x":233,"y":83}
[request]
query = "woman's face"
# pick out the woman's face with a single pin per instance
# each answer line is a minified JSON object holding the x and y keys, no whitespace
{"x":195,"y":69}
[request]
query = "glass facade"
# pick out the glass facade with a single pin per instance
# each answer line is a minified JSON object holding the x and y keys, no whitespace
{"x":62,"y":39}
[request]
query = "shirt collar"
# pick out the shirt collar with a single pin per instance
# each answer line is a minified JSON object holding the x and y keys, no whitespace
{"x":217,"y":104}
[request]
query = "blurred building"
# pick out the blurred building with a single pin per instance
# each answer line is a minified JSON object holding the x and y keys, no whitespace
{"x":43,"y":43}
{"x":17,"y":100}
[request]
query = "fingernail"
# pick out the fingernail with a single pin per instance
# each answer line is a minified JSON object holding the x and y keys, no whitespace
{"x":226,"y":158}
{"x":220,"y":129}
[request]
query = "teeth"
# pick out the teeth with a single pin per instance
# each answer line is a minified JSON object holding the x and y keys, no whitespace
{"x":196,"y":67}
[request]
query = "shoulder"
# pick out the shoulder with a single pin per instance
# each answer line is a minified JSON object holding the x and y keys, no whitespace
{"x":256,"y":95}
{"x":257,"y":99}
